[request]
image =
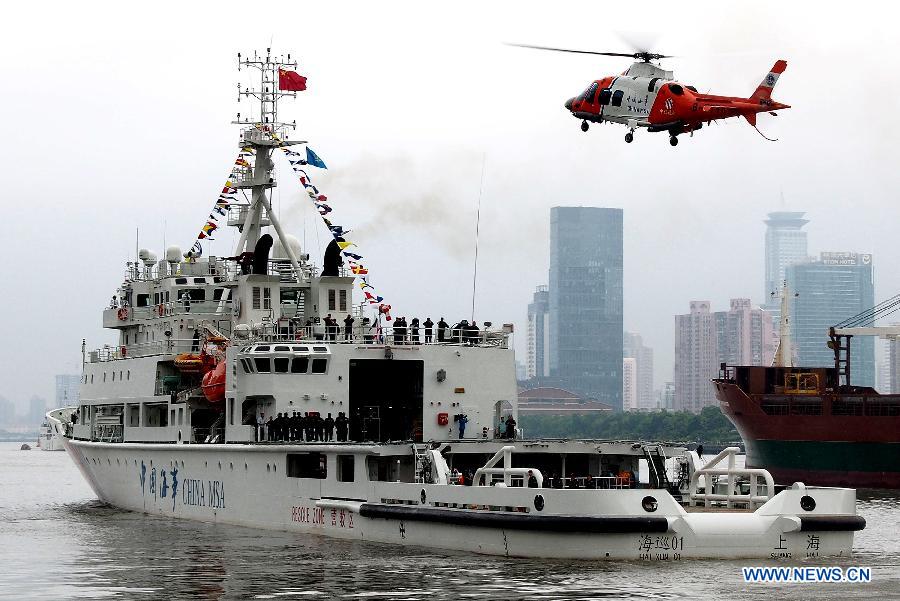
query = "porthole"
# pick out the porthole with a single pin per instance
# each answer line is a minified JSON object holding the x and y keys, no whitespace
{"x":807,"y":503}
{"x":650,"y":504}
{"x":539,"y":502}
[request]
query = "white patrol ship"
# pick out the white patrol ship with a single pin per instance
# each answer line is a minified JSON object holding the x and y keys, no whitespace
{"x":213,"y":405}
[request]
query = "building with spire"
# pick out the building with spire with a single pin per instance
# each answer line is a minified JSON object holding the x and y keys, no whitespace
{"x":786,"y":244}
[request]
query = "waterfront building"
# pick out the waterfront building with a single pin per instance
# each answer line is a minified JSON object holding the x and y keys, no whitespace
{"x":586,"y":301}
{"x":537,"y":364}
{"x":629,"y":385}
{"x":548,"y":400}
{"x":667,"y":396}
{"x":827,"y":291}
{"x":67,"y":390}
{"x":745,"y":335}
{"x":696,"y":359}
{"x":785,"y":245}
{"x":633,"y":347}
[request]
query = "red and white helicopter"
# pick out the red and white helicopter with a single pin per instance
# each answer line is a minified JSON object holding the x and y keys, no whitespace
{"x":646,"y":95}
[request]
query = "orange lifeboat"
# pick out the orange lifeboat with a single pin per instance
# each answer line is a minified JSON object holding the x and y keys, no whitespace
{"x":214,"y":384}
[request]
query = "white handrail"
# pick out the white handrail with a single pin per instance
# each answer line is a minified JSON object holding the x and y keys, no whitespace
{"x":505,"y":453}
{"x":754,"y":496}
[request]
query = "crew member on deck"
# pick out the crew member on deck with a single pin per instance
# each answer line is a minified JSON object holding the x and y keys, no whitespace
{"x":329,"y":428}
{"x":348,"y":327}
{"x":428,"y":324}
{"x":442,"y":329}
{"x":341,"y":425}
{"x":414,"y":331}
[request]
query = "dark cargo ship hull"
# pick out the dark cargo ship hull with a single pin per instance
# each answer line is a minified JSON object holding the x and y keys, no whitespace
{"x":823,"y":449}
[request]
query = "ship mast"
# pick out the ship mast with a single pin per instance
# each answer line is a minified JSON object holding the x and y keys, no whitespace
{"x":784,"y":355}
{"x":263,"y":135}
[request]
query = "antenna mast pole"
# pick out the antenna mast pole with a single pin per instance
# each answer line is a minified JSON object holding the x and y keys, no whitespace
{"x":477,"y":227}
{"x":263,"y":136}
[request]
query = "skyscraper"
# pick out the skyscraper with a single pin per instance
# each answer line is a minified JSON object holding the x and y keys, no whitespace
{"x":629,"y":384}
{"x":745,"y":335}
{"x":695,"y":358}
{"x":586,"y":301}
{"x":537,"y":363}
{"x":837,"y":286}
{"x":633,"y":346}
{"x":785,"y":245}
{"x":67,"y":390}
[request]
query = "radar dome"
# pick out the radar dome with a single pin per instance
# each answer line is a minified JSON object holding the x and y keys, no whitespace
{"x":143,"y":254}
{"x":279,"y":252}
{"x":173,"y":254}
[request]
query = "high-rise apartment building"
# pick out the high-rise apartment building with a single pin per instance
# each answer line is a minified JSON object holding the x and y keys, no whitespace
{"x":785,"y":245}
{"x":537,"y":362}
{"x":67,"y":386}
{"x":633,"y":346}
{"x":743,"y":335}
{"x":586,"y":301}
{"x":696,"y":360}
{"x":826,"y":292}
{"x":629,"y":384}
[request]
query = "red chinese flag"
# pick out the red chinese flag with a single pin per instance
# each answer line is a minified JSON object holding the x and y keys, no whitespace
{"x":291,"y":81}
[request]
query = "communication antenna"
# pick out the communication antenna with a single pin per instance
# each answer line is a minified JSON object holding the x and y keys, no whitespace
{"x":477,"y":227}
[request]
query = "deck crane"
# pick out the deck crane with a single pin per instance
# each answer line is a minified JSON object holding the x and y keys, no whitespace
{"x":861,"y":324}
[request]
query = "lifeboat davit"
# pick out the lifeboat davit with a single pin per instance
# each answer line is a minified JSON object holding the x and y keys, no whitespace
{"x":214,"y":384}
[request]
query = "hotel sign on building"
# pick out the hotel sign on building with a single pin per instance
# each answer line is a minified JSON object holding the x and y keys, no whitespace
{"x":844,"y":259}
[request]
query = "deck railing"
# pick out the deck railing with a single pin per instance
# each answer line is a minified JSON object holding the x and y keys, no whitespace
{"x":758,"y":492}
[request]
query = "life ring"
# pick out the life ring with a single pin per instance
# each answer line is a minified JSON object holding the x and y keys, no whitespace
{"x":122,"y":313}
{"x":161,"y":310}
{"x":124,"y":351}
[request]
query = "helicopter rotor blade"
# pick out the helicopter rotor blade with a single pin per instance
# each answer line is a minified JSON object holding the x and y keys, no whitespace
{"x":635,"y":55}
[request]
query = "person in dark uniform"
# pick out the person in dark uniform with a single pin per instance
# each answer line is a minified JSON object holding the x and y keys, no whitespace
{"x":329,"y":428}
{"x":295,"y":427}
{"x":510,"y":428}
{"x":400,"y":330}
{"x":320,"y":428}
{"x":428,"y":324}
{"x":307,"y":427}
{"x":348,"y":327}
{"x":532,"y":480}
{"x":414,"y":331}
{"x":441,"y":329}
{"x":195,"y":344}
{"x":472,"y":333}
{"x":270,"y":429}
{"x":341,"y":425}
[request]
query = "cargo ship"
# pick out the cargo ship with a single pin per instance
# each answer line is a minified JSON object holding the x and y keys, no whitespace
{"x":807,"y":424}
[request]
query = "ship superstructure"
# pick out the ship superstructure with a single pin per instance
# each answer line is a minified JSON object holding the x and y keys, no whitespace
{"x":232,"y":396}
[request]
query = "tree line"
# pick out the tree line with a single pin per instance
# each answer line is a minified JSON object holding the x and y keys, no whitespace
{"x":710,"y":425}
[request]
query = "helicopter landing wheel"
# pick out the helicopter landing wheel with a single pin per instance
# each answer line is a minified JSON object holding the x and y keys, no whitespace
{"x":673,"y":141}
{"x":629,"y":137}
{"x":584,"y":125}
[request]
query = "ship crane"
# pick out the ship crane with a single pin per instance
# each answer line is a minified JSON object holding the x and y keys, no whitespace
{"x":861,"y":324}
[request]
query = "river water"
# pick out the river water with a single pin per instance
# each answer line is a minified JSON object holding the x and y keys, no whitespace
{"x":58,"y":542}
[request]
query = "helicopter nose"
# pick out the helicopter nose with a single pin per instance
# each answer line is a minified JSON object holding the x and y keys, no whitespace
{"x":569,"y":103}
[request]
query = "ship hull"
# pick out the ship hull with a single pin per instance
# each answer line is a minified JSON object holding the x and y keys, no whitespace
{"x":823,"y":450}
{"x":246,"y":485}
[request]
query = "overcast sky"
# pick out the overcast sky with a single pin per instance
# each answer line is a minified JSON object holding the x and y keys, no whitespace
{"x":117,"y":117}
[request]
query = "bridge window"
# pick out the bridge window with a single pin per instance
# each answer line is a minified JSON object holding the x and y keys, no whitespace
{"x":217,"y":293}
{"x":143,"y":300}
{"x":199,"y":280}
{"x":248,"y":367}
{"x":307,"y":465}
{"x":263,"y":365}
{"x":342,"y":297}
{"x":300,"y":365}
{"x":331,"y":302}
{"x":319,"y":366}
{"x":652,"y":85}
{"x":256,"y":297}
{"x":267,"y":298}
{"x":282,"y":349}
{"x":181,"y":280}
{"x":281,"y":365}
{"x":617,"y":97}
{"x":605,"y":95}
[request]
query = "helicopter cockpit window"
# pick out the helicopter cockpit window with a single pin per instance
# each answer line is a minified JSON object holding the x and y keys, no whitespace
{"x":617,"y":97}
{"x":692,"y":89}
{"x":592,"y":92}
{"x":676,"y":89}
{"x":605,"y":94}
{"x":652,"y":85}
